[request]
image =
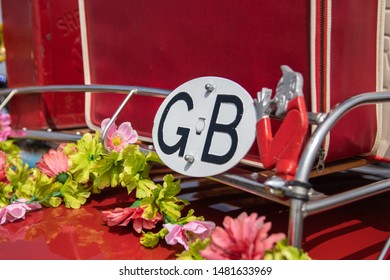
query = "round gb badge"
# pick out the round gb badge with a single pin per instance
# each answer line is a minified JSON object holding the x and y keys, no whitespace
{"x":205,"y":126}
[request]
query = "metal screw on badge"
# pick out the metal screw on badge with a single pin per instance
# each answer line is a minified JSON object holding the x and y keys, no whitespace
{"x":209,"y":87}
{"x":200,"y":125}
{"x":189,"y":158}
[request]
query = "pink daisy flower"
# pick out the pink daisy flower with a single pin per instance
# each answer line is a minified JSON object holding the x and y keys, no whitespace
{"x":118,"y":138}
{"x":188,"y":232}
{"x":123,"y":216}
{"x":243,"y":238}
{"x":54,"y":164}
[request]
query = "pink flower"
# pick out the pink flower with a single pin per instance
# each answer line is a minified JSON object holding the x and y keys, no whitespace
{"x":245,"y":238}
{"x":5,"y":129}
{"x":188,"y":232}
{"x":54,"y":164}
{"x":123,"y":216}
{"x":3,"y":166}
{"x":16,"y":210}
{"x":117,"y":139}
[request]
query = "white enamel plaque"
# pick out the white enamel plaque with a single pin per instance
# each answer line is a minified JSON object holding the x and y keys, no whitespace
{"x":205,"y":127}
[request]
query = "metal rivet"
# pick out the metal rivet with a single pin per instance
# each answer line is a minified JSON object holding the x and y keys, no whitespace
{"x":209,"y":87}
{"x":189,"y":158}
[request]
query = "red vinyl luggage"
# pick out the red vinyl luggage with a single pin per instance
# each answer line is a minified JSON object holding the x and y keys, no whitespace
{"x":42,"y":41}
{"x":382,"y":151}
{"x":335,"y":45}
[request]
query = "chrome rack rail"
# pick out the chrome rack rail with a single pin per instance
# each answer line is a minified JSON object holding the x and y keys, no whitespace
{"x":301,"y":198}
{"x":299,"y":208}
{"x":300,"y":188}
{"x":56,"y":136}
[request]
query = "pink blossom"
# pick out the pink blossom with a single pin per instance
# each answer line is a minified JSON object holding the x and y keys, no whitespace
{"x":123,"y":216}
{"x":53,"y":163}
{"x":3,"y":166}
{"x":5,"y":128}
{"x":188,"y":232}
{"x":118,"y":138}
{"x":62,"y":146}
{"x":16,"y":210}
{"x":245,"y":237}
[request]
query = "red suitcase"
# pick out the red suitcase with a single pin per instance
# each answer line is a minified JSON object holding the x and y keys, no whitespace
{"x":382,"y":151}
{"x":334,"y":44}
{"x":42,"y":41}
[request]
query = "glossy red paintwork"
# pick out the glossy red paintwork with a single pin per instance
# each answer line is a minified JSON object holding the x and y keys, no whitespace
{"x":357,"y":231}
{"x":60,"y":233}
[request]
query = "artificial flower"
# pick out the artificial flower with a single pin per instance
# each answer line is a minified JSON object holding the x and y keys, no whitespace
{"x":3,"y":166}
{"x":54,"y":164}
{"x":5,"y":129}
{"x":17,"y":210}
{"x":123,"y":216}
{"x":150,"y":239}
{"x":74,"y":194}
{"x":118,"y":138}
{"x":245,"y":237}
{"x":188,"y":233}
{"x":83,"y":156}
{"x":74,"y":170}
{"x":161,"y":198}
{"x":38,"y":187}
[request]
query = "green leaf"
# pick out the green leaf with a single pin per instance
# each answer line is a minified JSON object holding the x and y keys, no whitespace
{"x":54,"y":201}
{"x":162,"y":199}
{"x":5,"y":194}
{"x":129,"y":181}
{"x":10,"y":148}
{"x":135,"y":173}
{"x":282,"y":251}
{"x":153,"y":157}
{"x":171,"y":187}
{"x":19,"y":173}
{"x":133,"y":160}
{"x":145,"y":188}
{"x":149,"y":205}
{"x":39,"y":188}
{"x":74,"y":194}
{"x":193,"y":253}
{"x":83,"y":156}
{"x":189,"y":218}
{"x":150,"y":239}
{"x":107,"y":170}
{"x":167,"y":201}
{"x":136,"y":204}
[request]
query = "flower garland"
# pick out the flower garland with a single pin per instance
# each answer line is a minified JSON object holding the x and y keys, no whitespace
{"x":74,"y":171}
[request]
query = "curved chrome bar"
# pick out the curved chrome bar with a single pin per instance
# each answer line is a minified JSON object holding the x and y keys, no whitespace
{"x":130,"y":90}
{"x":145,"y":91}
{"x":299,"y":208}
{"x":45,"y":135}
